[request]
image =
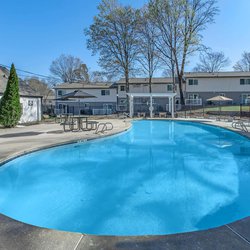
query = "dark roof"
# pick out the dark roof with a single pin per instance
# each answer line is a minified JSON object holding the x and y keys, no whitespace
{"x":84,"y":86}
{"x":162,"y":80}
{"x":78,"y":94}
{"x":24,"y":89}
{"x":155,"y":80}
{"x":217,"y":74}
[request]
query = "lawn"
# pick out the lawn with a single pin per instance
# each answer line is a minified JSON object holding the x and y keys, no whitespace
{"x":225,"y":108}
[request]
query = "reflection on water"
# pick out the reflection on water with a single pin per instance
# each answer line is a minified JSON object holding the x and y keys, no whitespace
{"x":160,"y":177}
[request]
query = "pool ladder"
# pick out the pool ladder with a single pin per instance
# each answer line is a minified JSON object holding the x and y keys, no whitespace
{"x":241,"y":125}
{"x":104,"y":126}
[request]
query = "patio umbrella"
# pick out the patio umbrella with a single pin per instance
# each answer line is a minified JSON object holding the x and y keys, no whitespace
{"x":77,"y":94}
{"x":219,"y":99}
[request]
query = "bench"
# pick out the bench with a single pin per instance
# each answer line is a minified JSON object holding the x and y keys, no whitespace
{"x":93,"y":125}
{"x":68,"y":121}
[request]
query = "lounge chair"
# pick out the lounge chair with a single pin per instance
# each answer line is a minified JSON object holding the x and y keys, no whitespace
{"x":162,"y":114}
{"x":141,"y":114}
{"x":123,"y":115}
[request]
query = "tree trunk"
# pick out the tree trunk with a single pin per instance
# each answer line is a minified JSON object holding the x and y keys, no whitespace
{"x":127,"y":88}
{"x":150,"y":84}
{"x":180,"y":77}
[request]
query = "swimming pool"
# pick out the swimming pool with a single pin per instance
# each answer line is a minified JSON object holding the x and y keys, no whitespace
{"x":160,"y":177}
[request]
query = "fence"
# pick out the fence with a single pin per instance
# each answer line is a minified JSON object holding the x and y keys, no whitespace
{"x":194,"y":102}
{"x":177,"y":107}
{"x":102,"y":111}
{"x":213,"y":111}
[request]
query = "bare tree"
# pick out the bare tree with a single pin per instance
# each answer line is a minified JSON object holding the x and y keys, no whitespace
{"x":69,"y":69}
{"x":181,"y":23}
{"x":113,"y":35}
{"x":148,"y":57}
{"x":166,"y":25}
{"x":101,"y":76}
{"x":82,"y":73}
{"x":212,"y":62}
{"x":41,"y":87}
{"x":244,"y":63}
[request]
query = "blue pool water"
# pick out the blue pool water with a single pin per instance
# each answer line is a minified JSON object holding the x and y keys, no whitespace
{"x":160,"y":177}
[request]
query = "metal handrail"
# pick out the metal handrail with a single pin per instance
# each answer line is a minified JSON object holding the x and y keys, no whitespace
{"x":102,"y":127}
{"x":241,"y":125}
{"x":110,"y":124}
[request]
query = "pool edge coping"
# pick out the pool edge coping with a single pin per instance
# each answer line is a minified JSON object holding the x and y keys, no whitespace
{"x":13,"y":156}
{"x":207,"y":232}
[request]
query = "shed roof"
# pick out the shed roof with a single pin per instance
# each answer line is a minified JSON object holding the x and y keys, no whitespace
{"x":82,"y":85}
{"x":24,"y":89}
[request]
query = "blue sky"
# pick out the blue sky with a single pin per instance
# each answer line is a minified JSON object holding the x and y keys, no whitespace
{"x":33,"y":33}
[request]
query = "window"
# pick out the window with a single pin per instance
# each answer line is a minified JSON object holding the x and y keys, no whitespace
{"x":122,"y":88}
{"x":244,"y":81}
{"x":193,"y":96}
{"x":107,"y":106}
{"x":61,"y":92}
{"x":245,"y":98}
{"x":105,"y":92}
{"x":30,"y":103}
{"x":222,"y":94}
{"x":169,"y":87}
{"x":192,"y":82}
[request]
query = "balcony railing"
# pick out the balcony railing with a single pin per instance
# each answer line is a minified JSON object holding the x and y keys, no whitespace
{"x":194,"y":102}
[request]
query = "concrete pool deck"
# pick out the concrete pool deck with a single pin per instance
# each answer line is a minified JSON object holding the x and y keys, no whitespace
{"x":20,"y":140}
{"x":18,"y":235}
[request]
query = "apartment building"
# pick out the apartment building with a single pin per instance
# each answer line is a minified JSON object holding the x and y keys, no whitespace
{"x":110,"y":98}
{"x":103,"y":100}
{"x":141,"y":86}
{"x":201,"y":86}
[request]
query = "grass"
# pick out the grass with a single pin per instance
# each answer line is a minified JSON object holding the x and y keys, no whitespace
{"x":225,"y":108}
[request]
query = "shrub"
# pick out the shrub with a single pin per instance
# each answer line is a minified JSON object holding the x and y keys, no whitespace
{"x":10,"y":107}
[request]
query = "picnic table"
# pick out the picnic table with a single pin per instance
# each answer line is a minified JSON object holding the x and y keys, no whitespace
{"x":79,"y":121}
{"x":89,"y":125}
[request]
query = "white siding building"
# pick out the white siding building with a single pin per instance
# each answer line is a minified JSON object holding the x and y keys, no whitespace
{"x":104,"y":101}
{"x":197,"y":88}
{"x":31,"y":109}
{"x":141,"y":85}
{"x":201,"y":86}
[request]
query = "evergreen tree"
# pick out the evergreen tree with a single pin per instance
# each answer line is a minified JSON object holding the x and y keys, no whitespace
{"x":10,"y":107}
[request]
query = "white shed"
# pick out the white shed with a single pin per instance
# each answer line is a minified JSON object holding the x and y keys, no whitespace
{"x":30,"y":101}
